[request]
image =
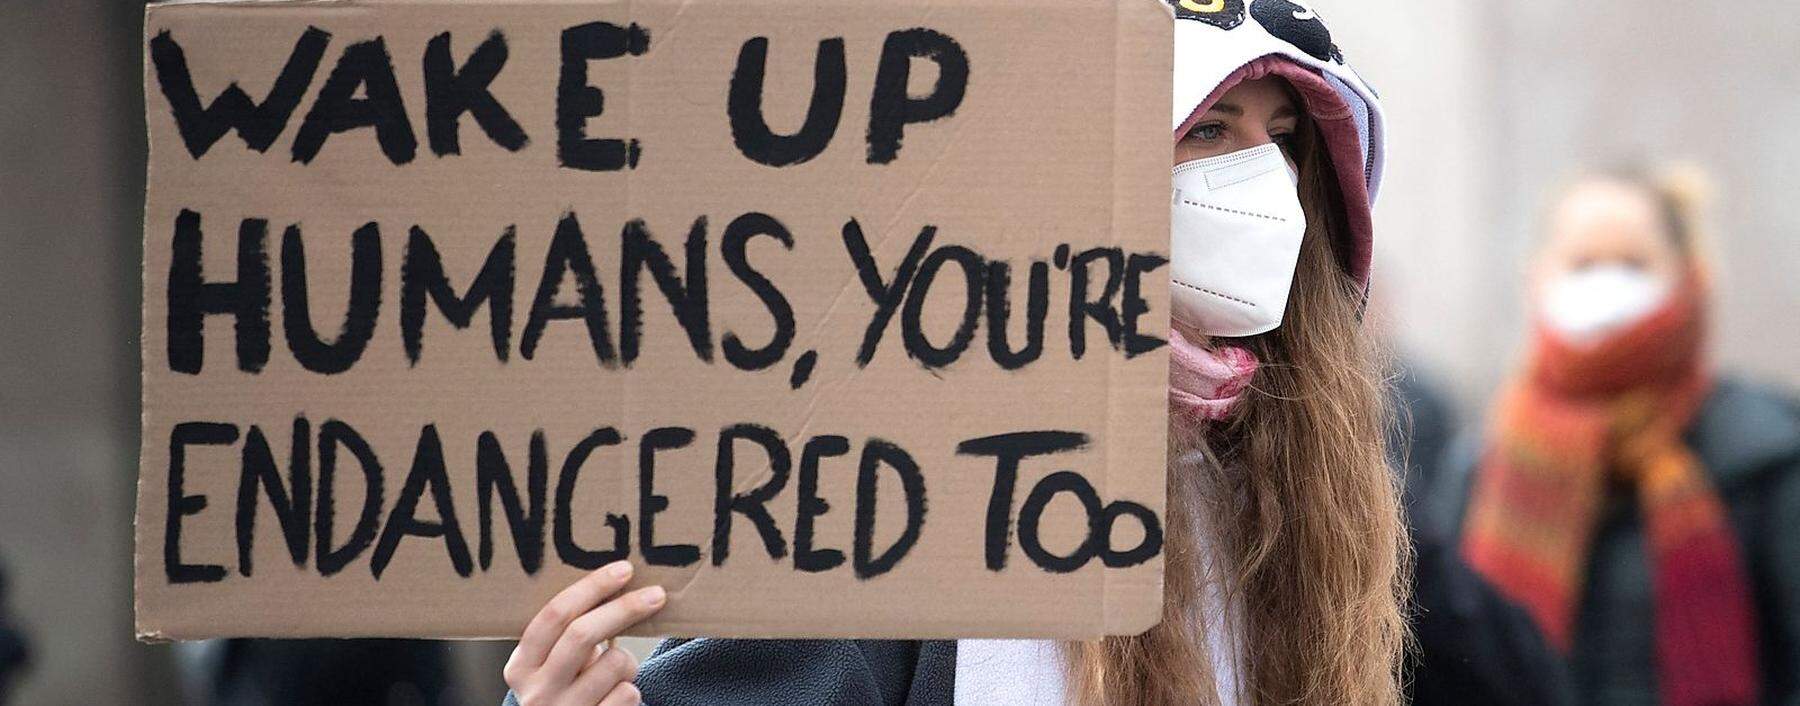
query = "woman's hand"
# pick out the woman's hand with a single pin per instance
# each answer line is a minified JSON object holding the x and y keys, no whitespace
{"x":559,"y":661}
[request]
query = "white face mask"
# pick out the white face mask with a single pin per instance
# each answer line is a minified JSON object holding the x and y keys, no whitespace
{"x":1589,"y":303}
{"x":1236,"y":226}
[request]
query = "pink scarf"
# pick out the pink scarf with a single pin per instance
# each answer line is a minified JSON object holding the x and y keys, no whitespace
{"x":1206,"y":383}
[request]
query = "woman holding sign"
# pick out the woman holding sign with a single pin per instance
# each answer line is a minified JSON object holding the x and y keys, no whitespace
{"x":1285,"y":555}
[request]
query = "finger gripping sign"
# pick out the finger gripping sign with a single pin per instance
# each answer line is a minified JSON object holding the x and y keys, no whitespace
{"x":837,"y":319}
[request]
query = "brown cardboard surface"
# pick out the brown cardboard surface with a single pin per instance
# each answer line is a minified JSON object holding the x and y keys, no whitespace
{"x":1055,"y":154}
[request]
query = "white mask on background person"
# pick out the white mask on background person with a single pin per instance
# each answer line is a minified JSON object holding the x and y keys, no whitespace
{"x":1589,"y":303}
{"x":1236,"y":227}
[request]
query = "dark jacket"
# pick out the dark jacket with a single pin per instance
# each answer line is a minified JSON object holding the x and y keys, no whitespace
{"x":1474,"y":647}
{"x":331,"y":673}
{"x":798,"y":672}
{"x":1749,"y":441}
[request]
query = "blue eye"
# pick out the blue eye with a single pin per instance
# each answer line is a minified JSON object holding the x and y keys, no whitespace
{"x":1210,"y":132}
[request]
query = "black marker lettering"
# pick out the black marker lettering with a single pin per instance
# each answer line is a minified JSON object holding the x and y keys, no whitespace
{"x":1008,"y":450}
{"x":912,"y":319}
{"x":428,"y":473}
{"x":1134,"y":306}
{"x":750,"y":128}
{"x":525,"y":517}
{"x":368,"y":66}
{"x":891,"y":109}
{"x":564,"y":525}
{"x":878,"y":453}
{"x":649,"y":503}
{"x":752,"y":504}
{"x":181,"y":504}
{"x":1033,"y":511}
{"x":1081,"y":308}
{"x":806,"y":558}
{"x":257,"y":124}
{"x":576,"y":101}
{"x":192,"y":298}
{"x":737,"y":237}
{"x":359,"y":320}
{"x":450,"y":92}
{"x":1150,"y":546}
{"x":887,"y":296}
{"x":292,"y":501}
{"x":569,"y":254}
{"x":329,"y":560}
{"x":422,"y":275}
{"x":999,"y":314}
{"x":687,"y":297}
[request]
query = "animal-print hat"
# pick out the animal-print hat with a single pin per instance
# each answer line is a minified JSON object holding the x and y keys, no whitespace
{"x":1221,"y":43}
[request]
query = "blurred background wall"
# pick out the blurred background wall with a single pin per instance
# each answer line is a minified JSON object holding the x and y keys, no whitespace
{"x":1490,"y":104}
{"x":71,"y":182}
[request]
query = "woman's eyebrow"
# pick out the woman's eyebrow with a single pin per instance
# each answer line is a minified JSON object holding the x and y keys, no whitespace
{"x":1286,"y":111}
{"x":1227,"y":108}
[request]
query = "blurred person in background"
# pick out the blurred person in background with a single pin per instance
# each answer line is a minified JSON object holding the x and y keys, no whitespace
{"x":1474,"y":647}
{"x":1643,"y":510}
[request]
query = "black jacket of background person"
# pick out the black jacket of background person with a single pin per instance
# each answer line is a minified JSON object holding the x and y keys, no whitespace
{"x":1474,"y":647}
{"x":1749,"y":441}
{"x":1505,"y":663}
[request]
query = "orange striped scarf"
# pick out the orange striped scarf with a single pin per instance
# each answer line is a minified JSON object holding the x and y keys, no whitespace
{"x":1584,"y":417}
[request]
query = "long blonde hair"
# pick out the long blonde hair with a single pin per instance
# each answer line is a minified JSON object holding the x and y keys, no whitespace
{"x":1302,"y":514}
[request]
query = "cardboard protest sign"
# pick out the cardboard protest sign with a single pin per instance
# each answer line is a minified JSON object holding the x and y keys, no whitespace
{"x":837,"y":318}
